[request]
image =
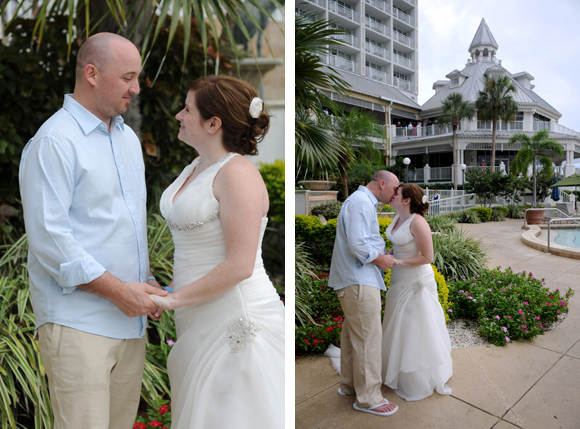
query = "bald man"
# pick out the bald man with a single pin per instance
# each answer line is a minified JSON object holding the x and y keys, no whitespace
{"x":83,"y":192}
{"x":356,"y":273}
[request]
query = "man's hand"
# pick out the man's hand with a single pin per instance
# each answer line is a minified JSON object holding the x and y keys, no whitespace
{"x":155,"y":314}
{"x":385,"y":262}
{"x":133,"y":298}
{"x":165,"y":302}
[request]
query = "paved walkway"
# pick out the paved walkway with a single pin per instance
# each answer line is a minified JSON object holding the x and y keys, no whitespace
{"x":530,"y":385}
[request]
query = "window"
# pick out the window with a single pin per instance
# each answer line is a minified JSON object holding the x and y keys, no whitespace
{"x":372,"y":19}
{"x":372,"y":66}
{"x":396,"y":30}
{"x":372,"y":42}
{"x":399,"y":53}
{"x":345,"y":5}
{"x":400,"y":75}
{"x":454,"y":82}
{"x":340,"y":54}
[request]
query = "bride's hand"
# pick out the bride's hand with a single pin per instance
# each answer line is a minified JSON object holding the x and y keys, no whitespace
{"x":164,"y":302}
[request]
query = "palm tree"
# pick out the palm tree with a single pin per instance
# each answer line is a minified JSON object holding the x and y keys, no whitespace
{"x":534,"y":149}
{"x":454,"y":110}
{"x":356,"y":130}
{"x":314,"y":143}
{"x":495,"y":102}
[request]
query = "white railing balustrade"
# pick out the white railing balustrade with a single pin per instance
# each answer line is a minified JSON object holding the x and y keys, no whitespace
{"x":405,"y":84}
{"x":557,"y":128}
{"x":454,"y":204}
{"x":441,"y":173}
{"x":405,"y":62}
{"x":402,"y":16}
{"x":417,"y":176}
{"x":342,"y":63}
{"x":405,"y":40}
{"x":343,"y":11}
{"x":348,"y":38}
{"x":410,"y":2}
{"x":376,"y":74}
{"x":378,"y":51}
{"x":379,"y":4}
{"x":539,"y":125}
{"x":318,"y":2}
{"x":379,"y":28}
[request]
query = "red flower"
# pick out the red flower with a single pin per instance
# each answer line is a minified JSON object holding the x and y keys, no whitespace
{"x":336,"y":320}
{"x":312,"y":335}
{"x":139,"y":425}
{"x":340,"y":326}
{"x":306,"y":341}
{"x":321,"y":341}
{"x":163,"y":409}
{"x":155,"y":423}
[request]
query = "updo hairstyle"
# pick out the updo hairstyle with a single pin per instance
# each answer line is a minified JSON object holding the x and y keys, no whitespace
{"x":415,"y":193}
{"x":229,"y":99}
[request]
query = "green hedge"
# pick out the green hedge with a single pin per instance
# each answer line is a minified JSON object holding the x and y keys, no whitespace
{"x":320,"y":238}
{"x":484,"y":213}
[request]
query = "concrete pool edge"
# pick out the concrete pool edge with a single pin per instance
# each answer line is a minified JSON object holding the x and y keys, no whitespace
{"x":530,"y":239}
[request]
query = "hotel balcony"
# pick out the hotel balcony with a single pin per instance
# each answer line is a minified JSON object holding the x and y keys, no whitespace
{"x":349,"y":39}
{"x":402,"y":61}
{"x":343,"y":11}
{"x":377,"y":51}
{"x":376,"y":75}
{"x":401,"y":16}
{"x":342,"y":63}
{"x":405,"y":40}
{"x":403,"y":84}
{"x":381,"y":5}
{"x":379,"y":28}
{"x":320,"y":3}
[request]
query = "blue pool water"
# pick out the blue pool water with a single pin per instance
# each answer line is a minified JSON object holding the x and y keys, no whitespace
{"x":569,"y":238}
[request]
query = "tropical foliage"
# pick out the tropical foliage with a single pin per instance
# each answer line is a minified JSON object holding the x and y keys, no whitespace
{"x":487,"y":185}
{"x":314,"y":145}
{"x":456,"y":254}
{"x":496,"y":102}
{"x":455,"y":109}
{"x":536,"y":148}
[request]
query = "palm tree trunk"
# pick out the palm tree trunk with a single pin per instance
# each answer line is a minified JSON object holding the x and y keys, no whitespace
{"x":493,"y":129}
{"x":534,"y":188}
{"x":342,"y":166}
{"x":455,"y":157}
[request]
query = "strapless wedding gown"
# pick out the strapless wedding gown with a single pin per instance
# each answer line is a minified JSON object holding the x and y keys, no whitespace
{"x":227,"y":365}
{"x":416,"y":346}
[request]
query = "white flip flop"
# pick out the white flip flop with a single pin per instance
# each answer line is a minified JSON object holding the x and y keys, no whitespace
{"x":376,"y":413}
{"x":341,"y":393}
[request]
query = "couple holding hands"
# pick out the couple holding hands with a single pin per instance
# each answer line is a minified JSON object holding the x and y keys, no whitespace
{"x":82,"y":182}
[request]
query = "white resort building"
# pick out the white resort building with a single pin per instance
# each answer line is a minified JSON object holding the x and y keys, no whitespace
{"x":429,"y":147}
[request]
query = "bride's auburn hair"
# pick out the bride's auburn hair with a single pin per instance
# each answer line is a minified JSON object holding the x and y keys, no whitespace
{"x":229,"y":99}
{"x":415,"y":193}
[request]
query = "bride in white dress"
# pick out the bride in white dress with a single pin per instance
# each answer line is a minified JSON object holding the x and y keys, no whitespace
{"x":416,"y":346}
{"x":227,"y":366}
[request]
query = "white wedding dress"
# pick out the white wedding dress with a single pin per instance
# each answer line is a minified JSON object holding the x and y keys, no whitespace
{"x":416,"y":347}
{"x":227,"y":365}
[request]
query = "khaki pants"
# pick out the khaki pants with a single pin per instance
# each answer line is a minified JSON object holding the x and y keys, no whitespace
{"x":360,"y":344}
{"x":94,"y":381}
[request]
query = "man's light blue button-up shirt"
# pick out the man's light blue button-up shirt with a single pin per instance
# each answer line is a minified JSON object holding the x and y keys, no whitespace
{"x":358,"y":243}
{"x":84,"y":198}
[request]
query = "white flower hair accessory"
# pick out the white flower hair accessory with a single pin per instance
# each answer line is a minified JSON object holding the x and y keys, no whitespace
{"x":424,"y":200}
{"x":256,"y":107}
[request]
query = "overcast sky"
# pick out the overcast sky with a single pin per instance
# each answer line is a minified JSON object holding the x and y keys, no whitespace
{"x":539,"y":37}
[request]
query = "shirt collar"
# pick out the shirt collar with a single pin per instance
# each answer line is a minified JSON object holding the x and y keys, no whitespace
{"x":370,"y":195}
{"x":88,"y":121}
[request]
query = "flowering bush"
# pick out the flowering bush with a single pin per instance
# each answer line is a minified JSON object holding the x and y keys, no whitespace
{"x":159,"y":417}
{"x":507,"y":305}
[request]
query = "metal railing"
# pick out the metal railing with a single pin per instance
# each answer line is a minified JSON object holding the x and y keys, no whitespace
{"x":453,"y":204}
{"x":379,"y":4}
{"x":343,"y":11}
{"x":377,"y":26}
{"x":405,"y":62}
{"x":342,"y":63}
{"x":348,"y":38}
{"x":378,"y":51}
{"x":405,"y":40}
{"x":405,"y":84}
{"x":376,"y":74}
{"x":402,"y":16}
{"x":321,"y":3}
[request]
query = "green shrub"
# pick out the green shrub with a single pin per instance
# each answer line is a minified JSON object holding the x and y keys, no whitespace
{"x":507,"y":305}
{"x":484,"y":213}
{"x":498,"y":214}
{"x":515,"y":212}
{"x":469,"y":216}
{"x":443,"y":224}
{"x":303,"y":274}
{"x":456,"y":254}
{"x":328,"y":210}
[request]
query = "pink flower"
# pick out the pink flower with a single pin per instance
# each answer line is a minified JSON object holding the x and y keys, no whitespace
{"x":558,"y":311}
{"x":503,"y":288}
{"x":170,"y":342}
{"x":504,"y":328}
{"x":497,"y":317}
{"x":537,"y":318}
{"x":524,"y":326}
{"x":509,"y":317}
{"x":526,"y":303}
{"x":562,"y":303}
{"x":520,"y":311}
{"x":450,"y":311}
{"x":507,"y":340}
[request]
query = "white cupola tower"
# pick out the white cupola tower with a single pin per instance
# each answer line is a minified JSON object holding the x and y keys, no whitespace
{"x":483,"y":46}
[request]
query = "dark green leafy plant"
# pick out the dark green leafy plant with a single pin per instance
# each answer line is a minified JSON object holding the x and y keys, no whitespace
{"x":507,"y":305}
{"x":329,"y":210}
{"x":484,"y":213}
{"x":443,"y":224}
{"x":469,"y":216}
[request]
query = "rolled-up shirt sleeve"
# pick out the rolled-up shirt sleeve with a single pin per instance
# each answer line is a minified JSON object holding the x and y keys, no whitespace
{"x":47,"y":185}
{"x":358,"y":231}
